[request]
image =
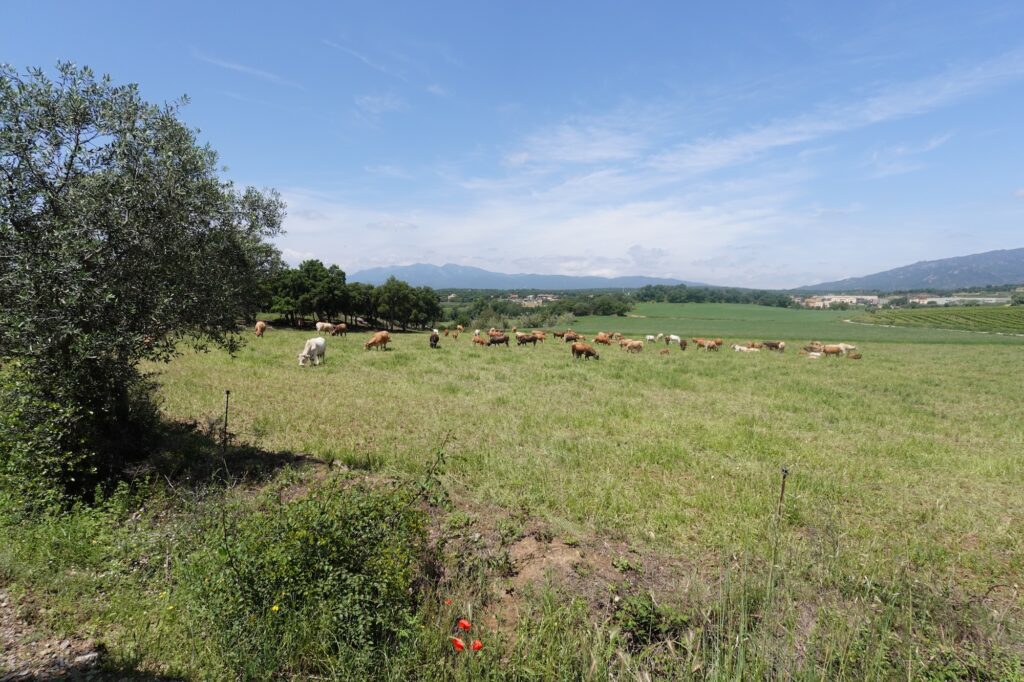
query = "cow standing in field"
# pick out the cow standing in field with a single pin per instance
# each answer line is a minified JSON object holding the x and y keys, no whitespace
{"x":523,"y":339}
{"x":325,"y":327}
{"x":479,"y":340}
{"x":313,"y":352}
{"x":434,"y":338}
{"x":585,"y":351}
{"x":632,"y":346}
{"x":261,"y":327}
{"x":498,"y":340}
{"x":603,"y":338}
{"x":779,"y":346}
{"x":379,"y":340}
{"x":340,"y":329}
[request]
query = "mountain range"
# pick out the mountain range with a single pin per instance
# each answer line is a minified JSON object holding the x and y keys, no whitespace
{"x":994,"y":268}
{"x":452,"y":276}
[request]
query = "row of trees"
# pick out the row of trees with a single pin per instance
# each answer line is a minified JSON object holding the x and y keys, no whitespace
{"x":683,"y":294}
{"x":314,"y":290}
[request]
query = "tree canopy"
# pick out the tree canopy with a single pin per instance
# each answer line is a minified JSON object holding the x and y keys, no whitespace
{"x":119,"y":239}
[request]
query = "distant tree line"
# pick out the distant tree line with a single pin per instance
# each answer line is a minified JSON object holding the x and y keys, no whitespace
{"x":313,"y":290}
{"x":661,"y":293}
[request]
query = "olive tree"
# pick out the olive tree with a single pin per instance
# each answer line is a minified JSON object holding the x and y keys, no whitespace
{"x":118,"y":240}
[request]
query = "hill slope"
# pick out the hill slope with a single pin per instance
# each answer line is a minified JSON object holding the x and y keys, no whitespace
{"x":1005,"y":266}
{"x":452,"y":276}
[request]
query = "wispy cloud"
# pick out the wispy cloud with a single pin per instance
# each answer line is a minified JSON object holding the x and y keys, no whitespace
{"x":891,"y":103}
{"x":379,"y":103}
{"x":435,"y":89}
{"x":903,"y":158}
{"x":377,"y":66}
{"x":248,"y":70}
{"x":1019,"y":193}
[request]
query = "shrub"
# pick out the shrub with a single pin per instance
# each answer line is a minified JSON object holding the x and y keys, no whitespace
{"x":304,"y":587}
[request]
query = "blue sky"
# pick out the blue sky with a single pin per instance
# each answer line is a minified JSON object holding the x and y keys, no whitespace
{"x":753,"y":144}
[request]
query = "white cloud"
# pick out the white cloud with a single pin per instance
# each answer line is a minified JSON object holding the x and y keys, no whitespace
{"x":901,"y":159}
{"x":379,"y":103}
{"x":435,"y":89}
{"x":248,"y":70}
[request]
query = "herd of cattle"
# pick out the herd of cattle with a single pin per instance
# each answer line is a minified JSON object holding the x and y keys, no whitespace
{"x":314,"y":349}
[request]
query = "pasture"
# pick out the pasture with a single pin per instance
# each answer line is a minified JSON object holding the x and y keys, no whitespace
{"x":901,"y":534}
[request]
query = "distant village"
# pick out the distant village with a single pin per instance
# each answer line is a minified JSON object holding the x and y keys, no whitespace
{"x":836,"y":300}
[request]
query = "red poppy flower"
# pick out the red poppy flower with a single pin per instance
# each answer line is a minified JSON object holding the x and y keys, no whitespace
{"x":477,"y":645}
{"x":458,"y":644}
{"x":464,"y":624}
{"x":447,"y":602}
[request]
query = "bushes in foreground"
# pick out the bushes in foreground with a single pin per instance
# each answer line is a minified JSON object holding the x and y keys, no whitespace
{"x":305,"y":587}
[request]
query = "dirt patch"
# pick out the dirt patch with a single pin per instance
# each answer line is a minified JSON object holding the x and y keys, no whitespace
{"x":29,"y":654}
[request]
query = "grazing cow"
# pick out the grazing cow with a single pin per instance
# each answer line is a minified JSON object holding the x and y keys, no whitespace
{"x":523,"y":339}
{"x":650,"y":338}
{"x":663,"y":351}
{"x":492,"y":332}
{"x":455,"y":335}
{"x":558,"y":335}
{"x":479,"y":340}
{"x":775,"y":345}
{"x":498,"y":340}
{"x":325,"y":327}
{"x":682,"y":344}
{"x":585,"y":351}
{"x":540,"y":334}
{"x":744,"y":349}
{"x":706,"y":344}
{"x":672,"y":338}
{"x":434,"y":338}
{"x":833,"y":349}
{"x":460,"y":328}
{"x":603,"y":338}
{"x":446,"y":331}
{"x":755,"y":344}
{"x":633,"y":346}
{"x":261,"y":327}
{"x":572,"y":336}
{"x":340,"y":329}
{"x":378,"y":340}
{"x":314,"y":351}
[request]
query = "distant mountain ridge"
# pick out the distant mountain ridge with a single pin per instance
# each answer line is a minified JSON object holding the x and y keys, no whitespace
{"x":1005,"y":266}
{"x":451,"y":276}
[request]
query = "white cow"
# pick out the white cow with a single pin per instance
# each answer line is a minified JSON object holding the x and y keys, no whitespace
{"x":314,"y":351}
{"x":744,"y":349}
{"x":650,"y":338}
{"x":324,"y":327}
{"x":672,"y":338}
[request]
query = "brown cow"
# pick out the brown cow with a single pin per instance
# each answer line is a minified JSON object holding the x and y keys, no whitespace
{"x":479,"y":340}
{"x":523,"y":339}
{"x":633,"y":346}
{"x":603,"y":338}
{"x":833,"y":349}
{"x":261,"y":327}
{"x":706,"y":344}
{"x":378,"y":340}
{"x":340,"y":329}
{"x":498,"y":340}
{"x":682,"y":344}
{"x":539,"y":333}
{"x":775,"y":345}
{"x":572,"y":336}
{"x":434,"y":338}
{"x":558,"y":335}
{"x":755,"y":344}
{"x":585,"y":351}
{"x":664,"y":351}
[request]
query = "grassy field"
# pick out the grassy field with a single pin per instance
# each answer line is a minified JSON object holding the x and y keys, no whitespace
{"x":611,"y":519}
{"x":901,"y":537}
{"x":1001,"y":320}
{"x":744,"y":322}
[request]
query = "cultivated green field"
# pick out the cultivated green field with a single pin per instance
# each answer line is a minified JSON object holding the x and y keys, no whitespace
{"x":744,"y":322}
{"x":900,"y":551}
{"x":1000,"y":320}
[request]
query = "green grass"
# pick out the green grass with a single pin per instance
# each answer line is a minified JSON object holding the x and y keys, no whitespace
{"x":1001,"y":320}
{"x":752,"y":322}
{"x":897,"y":554}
